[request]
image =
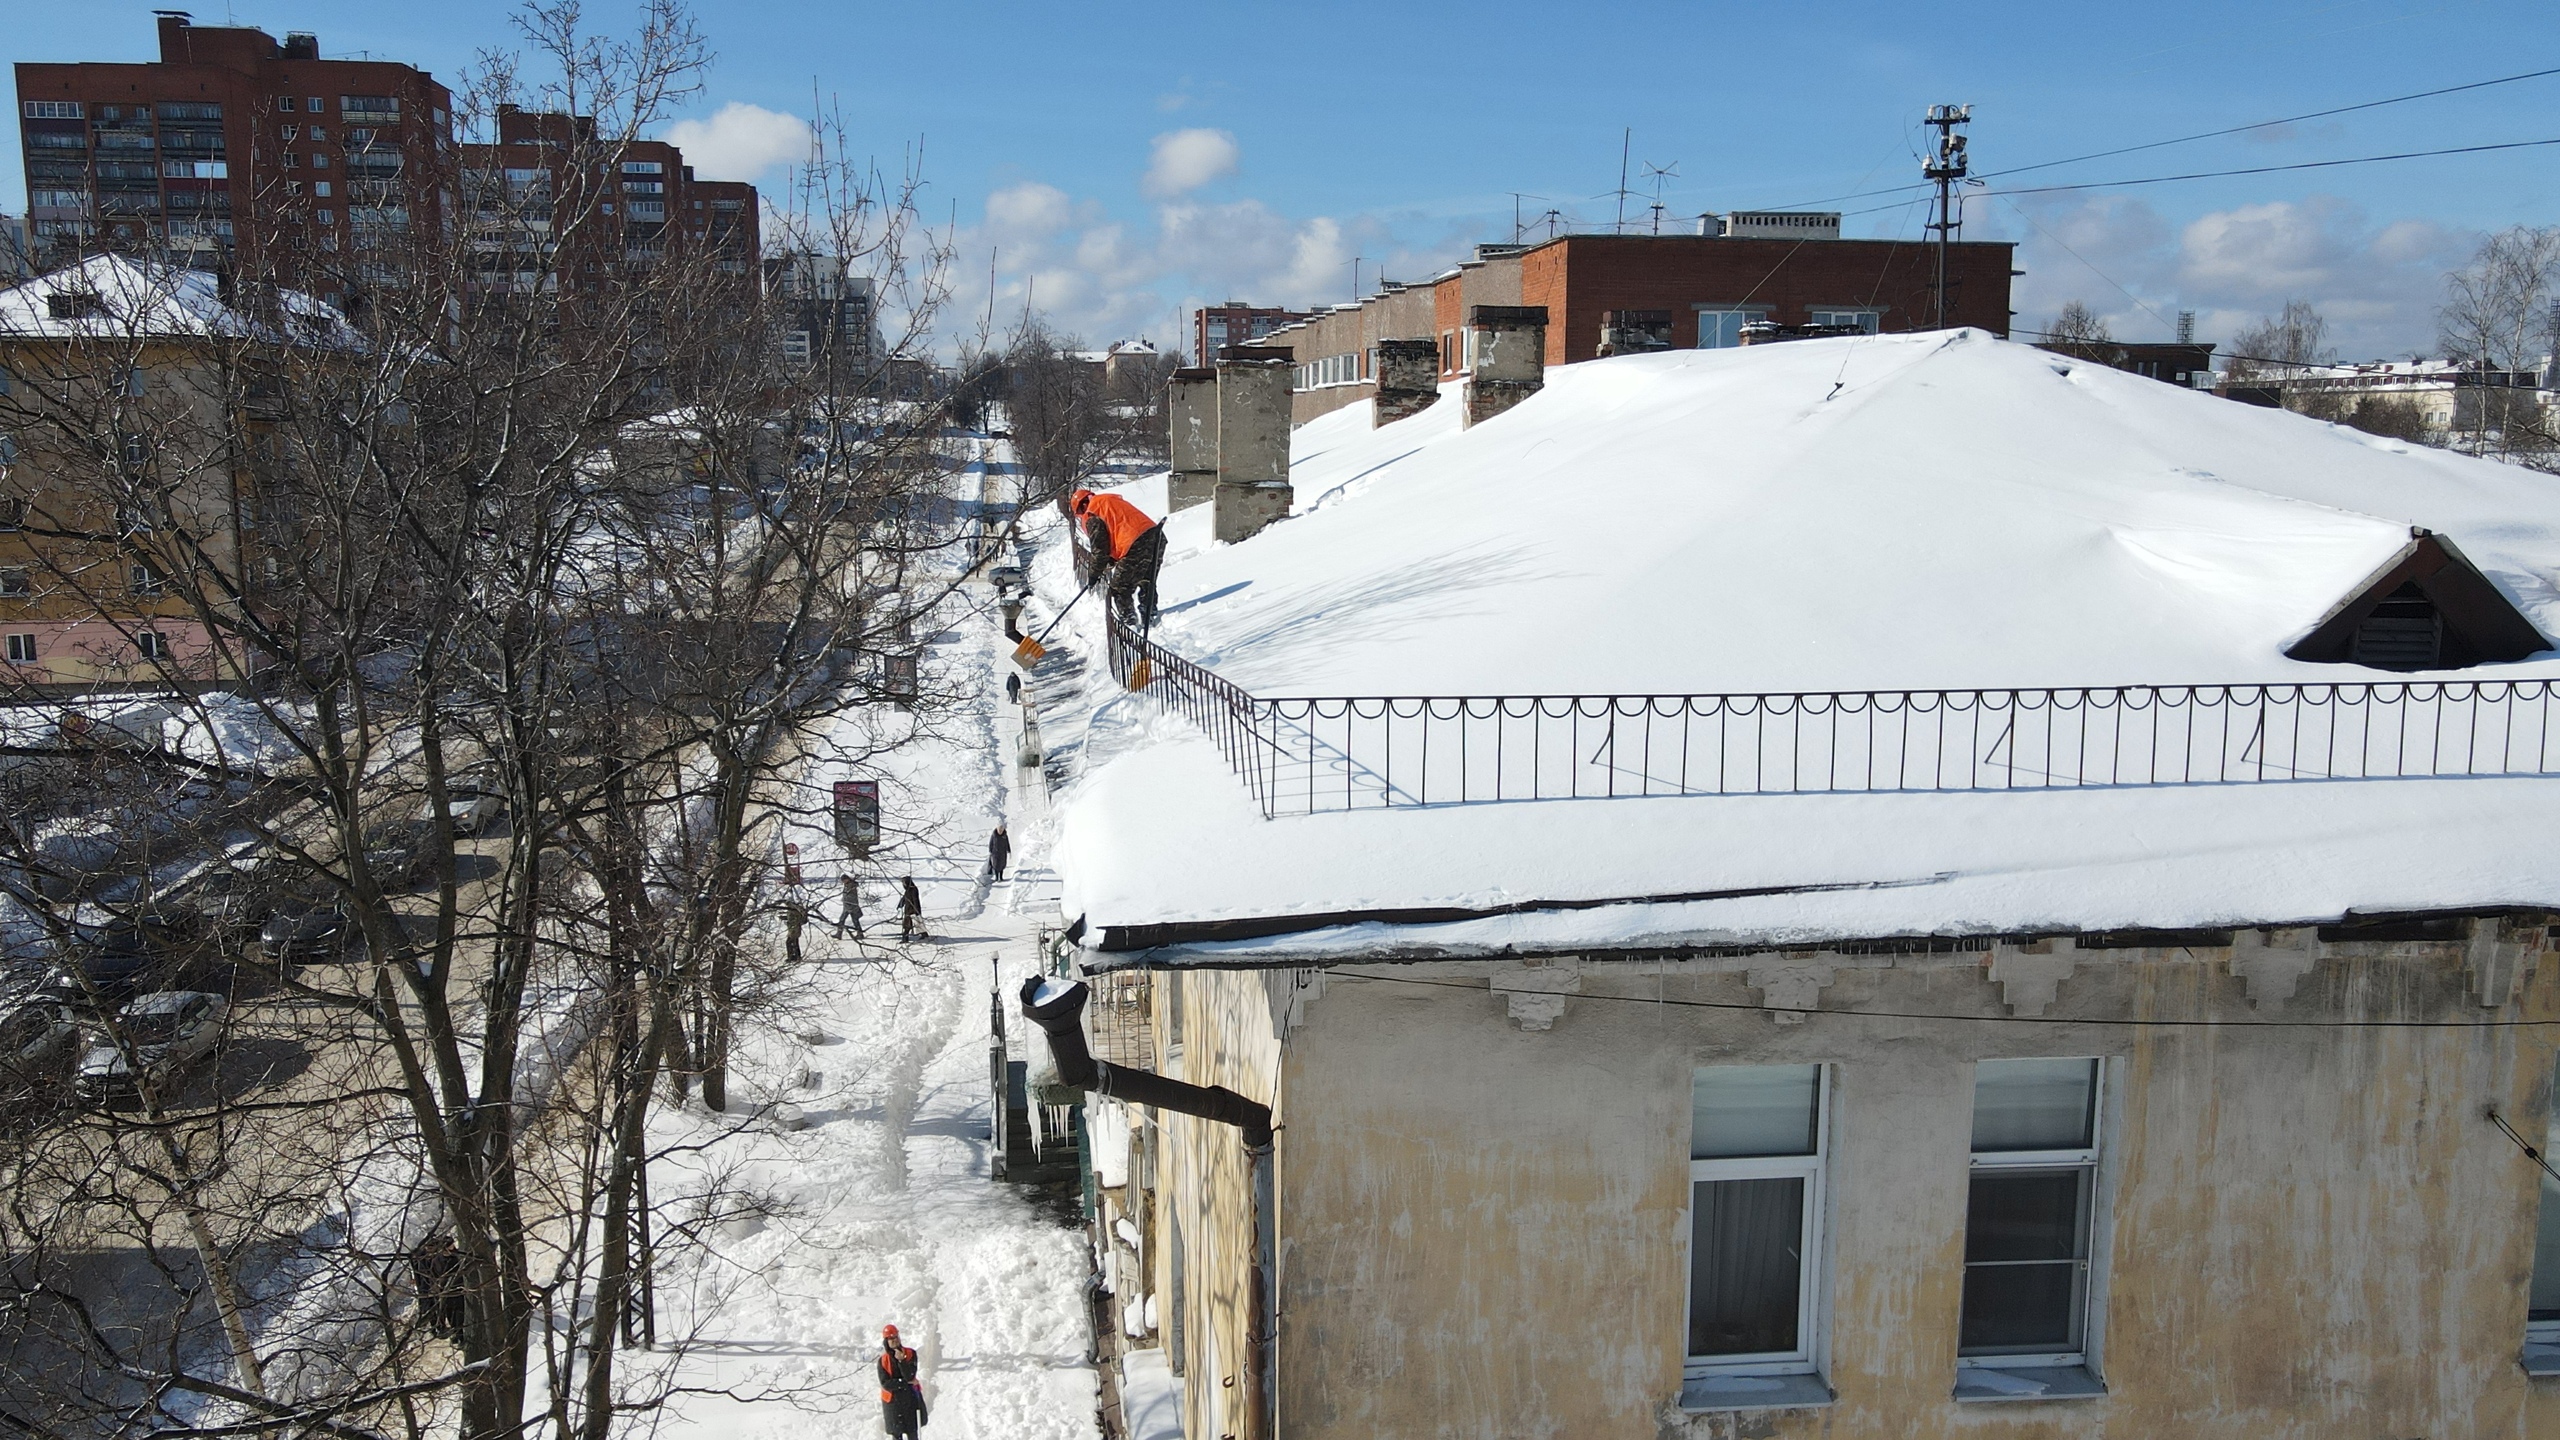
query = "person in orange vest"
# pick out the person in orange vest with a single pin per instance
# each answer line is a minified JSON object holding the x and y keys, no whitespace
{"x":1118,"y":537}
{"x":901,"y":1399}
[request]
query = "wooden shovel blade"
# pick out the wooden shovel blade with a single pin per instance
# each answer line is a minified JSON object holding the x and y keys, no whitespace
{"x":1028,"y":653}
{"x":1141,"y":673}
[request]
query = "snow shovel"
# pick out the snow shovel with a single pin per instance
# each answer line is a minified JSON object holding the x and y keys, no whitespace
{"x":1142,"y":670}
{"x":1028,"y":653}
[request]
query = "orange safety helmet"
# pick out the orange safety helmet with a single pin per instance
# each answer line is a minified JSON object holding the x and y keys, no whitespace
{"x":888,"y":1332}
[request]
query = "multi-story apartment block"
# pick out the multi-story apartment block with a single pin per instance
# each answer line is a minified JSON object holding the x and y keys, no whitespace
{"x":828,"y":321}
{"x":236,"y":150}
{"x":1214,"y":327}
{"x":138,"y":405}
{"x":553,"y":203}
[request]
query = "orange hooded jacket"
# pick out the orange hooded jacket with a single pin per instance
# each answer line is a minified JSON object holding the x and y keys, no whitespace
{"x":1125,"y":521}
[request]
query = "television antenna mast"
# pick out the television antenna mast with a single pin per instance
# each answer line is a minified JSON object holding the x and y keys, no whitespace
{"x":1657,"y":174}
{"x":1944,"y":168}
{"x":1626,"y":148}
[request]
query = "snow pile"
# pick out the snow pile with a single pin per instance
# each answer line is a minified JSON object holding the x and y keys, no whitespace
{"x":1907,"y":512}
{"x":1928,"y":511}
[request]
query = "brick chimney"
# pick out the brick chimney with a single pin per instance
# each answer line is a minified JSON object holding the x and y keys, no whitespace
{"x":1408,"y":379}
{"x":1191,"y":409}
{"x":1253,"y":439}
{"x":1510,"y":347}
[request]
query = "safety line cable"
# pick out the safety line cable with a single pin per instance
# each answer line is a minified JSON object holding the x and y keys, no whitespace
{"x":2536,"y":1156}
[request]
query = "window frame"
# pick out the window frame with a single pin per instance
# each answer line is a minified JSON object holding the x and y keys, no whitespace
{"x":1869,"y":318}
{"x":1812,"y":1314}
{"x":150,"y":645}
{"x":17,"y":582}
{"x":23,"y":649}
{"x":2089,"y":1163}
{"x":1704,"y":308}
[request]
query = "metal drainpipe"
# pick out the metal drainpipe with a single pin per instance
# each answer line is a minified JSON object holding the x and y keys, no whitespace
{"x":1061,"y":1018}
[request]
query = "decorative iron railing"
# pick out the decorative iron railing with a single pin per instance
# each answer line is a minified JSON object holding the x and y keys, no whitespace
{"x":1300,"y":755}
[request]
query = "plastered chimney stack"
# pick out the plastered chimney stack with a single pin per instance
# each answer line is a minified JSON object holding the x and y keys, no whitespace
{"x":1510,"y":347}
{"x":1253,"y":439}
{"x":1408,"y":379}
{"x":1191,"y":408}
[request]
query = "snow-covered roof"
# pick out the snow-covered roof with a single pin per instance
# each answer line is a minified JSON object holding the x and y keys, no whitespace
{"x":1928,"y":511}
{"x":121,"y":298}
{"x":1883,"y":513}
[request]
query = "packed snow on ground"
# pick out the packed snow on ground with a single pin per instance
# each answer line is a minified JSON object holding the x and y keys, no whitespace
{"x":869,"y":1160}
{"x":1931,"y":511}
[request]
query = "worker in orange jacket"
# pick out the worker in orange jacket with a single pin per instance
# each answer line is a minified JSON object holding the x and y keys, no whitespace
{"x":901,"y":1399}
{"x":1119,"y":538}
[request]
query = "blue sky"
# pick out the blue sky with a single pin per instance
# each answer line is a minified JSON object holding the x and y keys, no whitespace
{"x":1124,"y":162}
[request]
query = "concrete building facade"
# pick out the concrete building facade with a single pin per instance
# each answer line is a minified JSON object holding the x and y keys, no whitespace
{"x":1502,"y":1159}
{"x":542,"y":211}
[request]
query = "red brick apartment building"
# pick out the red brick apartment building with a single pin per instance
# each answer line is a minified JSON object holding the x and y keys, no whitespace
{"x":234,"y":148}
{"x":1214,"y":327}
{"x":533,"y":186}
{"x":1660,"y":292}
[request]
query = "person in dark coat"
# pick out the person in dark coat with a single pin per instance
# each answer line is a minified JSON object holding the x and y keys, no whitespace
{"x":910,"y":911}
{"x":902,"y":1407}
{"x":999,"y":851}
{"x":1013,"y":688}
{"x":851,"y":915}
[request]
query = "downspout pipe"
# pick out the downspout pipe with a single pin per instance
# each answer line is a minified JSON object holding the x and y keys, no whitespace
{"x":1057,"y":1007}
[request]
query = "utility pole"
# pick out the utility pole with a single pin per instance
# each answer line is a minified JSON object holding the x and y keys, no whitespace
{"x":1943,"y":169}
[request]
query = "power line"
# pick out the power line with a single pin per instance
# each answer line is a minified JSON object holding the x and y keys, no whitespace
{"x":1991,"y":1019}
{"x":2251,"y":170}
{"x":2201,"y":135}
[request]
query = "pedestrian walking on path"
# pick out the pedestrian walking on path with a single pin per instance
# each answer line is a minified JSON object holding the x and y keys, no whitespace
{"x":851,"y":915}
{"x":794,"y":915}
{"x":902,"y":1407}
{"x":910,"y":911}
{"x":999,"y":850}
{"x":1120,"y":540}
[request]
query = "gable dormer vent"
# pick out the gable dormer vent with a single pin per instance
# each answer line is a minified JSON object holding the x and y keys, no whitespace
{"x":2430,"y":608}
{"x":2404,"y":632}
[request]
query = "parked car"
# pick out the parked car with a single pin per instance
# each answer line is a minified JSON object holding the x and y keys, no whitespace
{"x":474,"y":804}
{"x":39,"y":1039}
{"x":401,"y":852}
{"x":143,"y":950}
{"x":300,"y":929}
{"x":164,"y":1035}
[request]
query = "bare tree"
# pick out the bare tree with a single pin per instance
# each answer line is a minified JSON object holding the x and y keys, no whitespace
{"x":2079,"y":331}
{"x":543,"y":527}
{"x":2501,"y":318}
{"x":2281,"y":345}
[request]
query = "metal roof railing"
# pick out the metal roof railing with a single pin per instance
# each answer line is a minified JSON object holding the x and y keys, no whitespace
{"x":1303,"y":755}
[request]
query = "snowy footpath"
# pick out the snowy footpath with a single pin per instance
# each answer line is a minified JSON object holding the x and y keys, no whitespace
{"x":863,"y":1195}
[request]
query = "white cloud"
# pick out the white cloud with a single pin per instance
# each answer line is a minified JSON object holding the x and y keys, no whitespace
{"x":1029,"y":210}
{"x":1185,"y":160}
{"x":2378,"y":286}
{"x":740,"y":141}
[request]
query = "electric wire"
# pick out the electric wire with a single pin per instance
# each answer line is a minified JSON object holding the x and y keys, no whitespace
{"x":1990,"y":1019}
{"x":2249,"y":170}
{"x":2200,"y":135}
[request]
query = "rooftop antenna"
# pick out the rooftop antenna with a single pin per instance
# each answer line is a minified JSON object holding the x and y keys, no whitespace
{"x":1944,"y":168}
{"x":1657,"y":174}
{"x":1626,"y":146}
{"x":1355,"y":276}
{"x":2186,"y":327}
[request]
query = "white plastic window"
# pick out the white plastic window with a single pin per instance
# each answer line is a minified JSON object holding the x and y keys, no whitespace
{"x":1757,"y":1136}
{"x":2029,"y":1213}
